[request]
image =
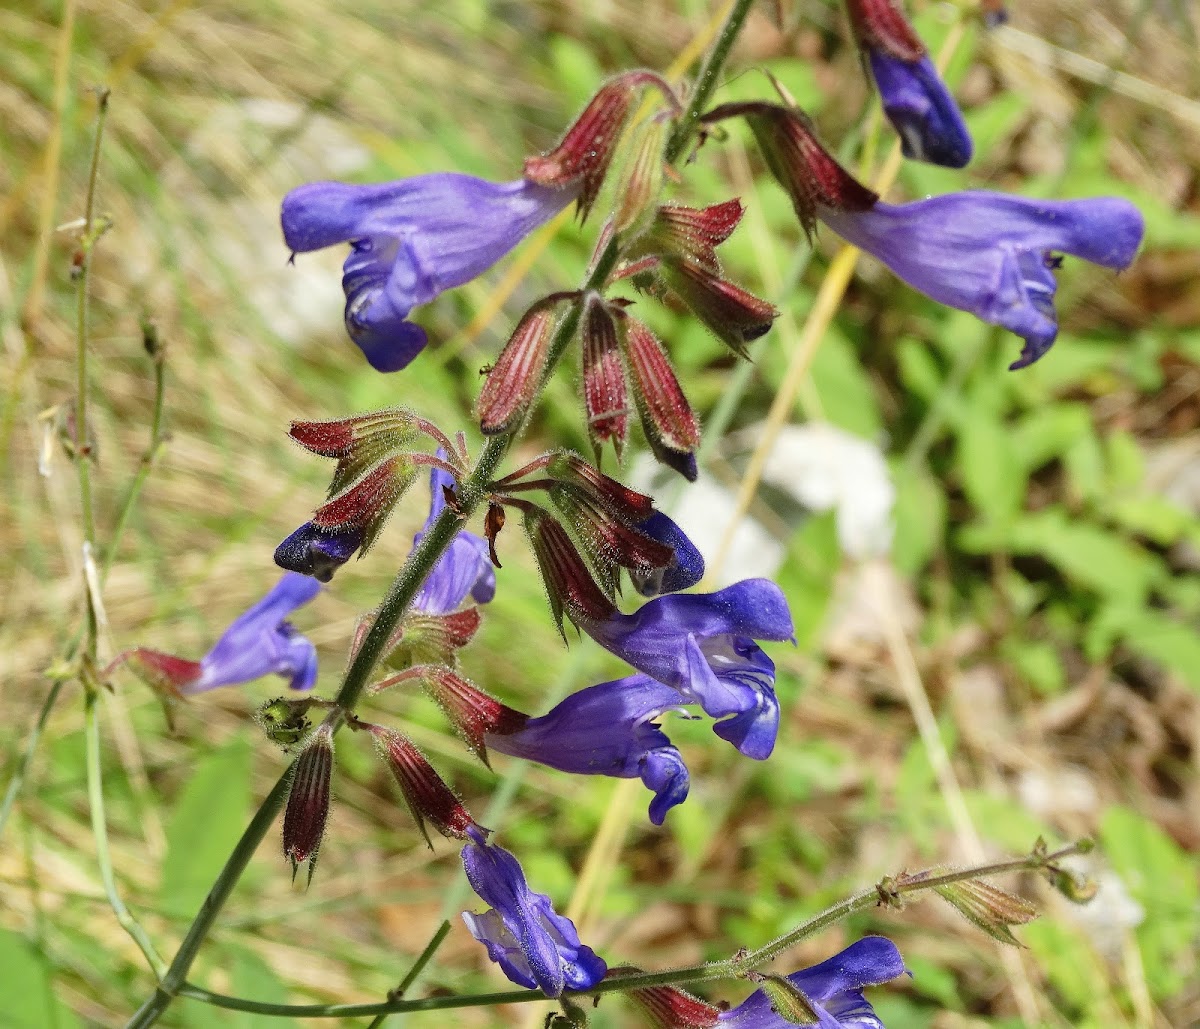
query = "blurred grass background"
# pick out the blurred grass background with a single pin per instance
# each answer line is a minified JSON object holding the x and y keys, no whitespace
{"x":1047,"y":550}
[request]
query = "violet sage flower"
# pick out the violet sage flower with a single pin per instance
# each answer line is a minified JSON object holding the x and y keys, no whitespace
{"x":410,"y":241}
{"x":993,"y":254}
{"x":465,"y":568}
{"x":259,"y":642}
{"x":686,"y":567}
{"x":607,"y":729}
{"x":703,"y":645}
{"x":834,"y":990}
{"x":533,"y":945}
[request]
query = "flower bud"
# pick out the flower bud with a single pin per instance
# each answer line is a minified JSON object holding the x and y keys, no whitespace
{"x":605,"y":394}
{"x":472,"y":712}
{"x":364,"y":507}
{"x":586,"y":150}
{"x":166,"y":674}
{"x":513,"y":380}
{"x":610,"y":543}
{"x":425,"y":792}
{"x":667,"y":418}
{"x":308,"y":801}
{"x":731,"y":313}
{"x":695,"y":232}
{"x":808,"y":173}
{"x":625,"y":503}
{"x":318,"y":552}
{"x":358,"y":443}
{"x":881,"y":25}
{"x":569,"y":584}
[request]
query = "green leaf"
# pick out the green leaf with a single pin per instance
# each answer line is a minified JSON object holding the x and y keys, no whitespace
{"x":808,"y":572}
{"x":845,"y":389}
{"x":919,"y":515}
{"x":1151,"y":634}
{"x":991,"y":470}
{"x":1100,"y":560}
{"x":27,"y":988}
{"x":208,"y":819}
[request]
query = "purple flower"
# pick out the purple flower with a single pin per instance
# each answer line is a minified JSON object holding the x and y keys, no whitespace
{"x":465,"y":567}
{"x":311,"y":550}
{"x":686,"y":567}
{"x":703,"y":645}
{"x":921,"y":109}
{"x":833,"y":988}
{"x":993,"y":254}
{"x":608,"y":730}
{"x":260,"y":642}
{"x":534,"y":946}
{"x":411,"y":240}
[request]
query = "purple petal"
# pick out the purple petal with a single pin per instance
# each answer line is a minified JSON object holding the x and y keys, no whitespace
{"x":992,"y":253}
{"x":260,"y":642}
{"x":317,"y":552}
{"x":411,"y":240}
{"x":686,"y":568}
{"x":921,"y":109}
{"x":533,"y":945}
{"x":608,"y":729}
{"x":834,"y":987}
{"x":466,"y":566}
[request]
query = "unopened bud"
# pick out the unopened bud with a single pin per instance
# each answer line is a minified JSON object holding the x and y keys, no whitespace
{"x":1075,"y":886}
{"x":667,"y":418}
{"x":732,"y":314}
{"x":881,"y":25}
{"x":284,"y":722}
{"x":425,"y":792}
{"x":695,"y":232}
{"x":358,"y":443}
{"x":990,"y":908}
{"x":364,"y":507}
{"x":311,"y":550}
{"x":569,"y":584}
{"x":513,"y":380}
{"x":605,"y":393}
{"x":582,"y":157}
{"x":622,"y":501}
{"x":431,"y":639}
{"x":308,"y":801}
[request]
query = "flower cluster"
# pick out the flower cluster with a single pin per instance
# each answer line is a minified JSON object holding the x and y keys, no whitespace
{"x":984,"y":252}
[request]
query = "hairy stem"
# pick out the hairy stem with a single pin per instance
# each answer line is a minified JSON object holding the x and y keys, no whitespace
{"x":707,"y":82}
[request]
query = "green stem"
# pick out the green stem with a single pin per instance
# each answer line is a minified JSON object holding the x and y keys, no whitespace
{"x":95,"y":786}
{"x":145,"y":466}
{"x":171,"y":982}
{"x":418,"y":966}
{"x":734,"y":967}
{"x":31,"y":742}
{"x":706,"y":84}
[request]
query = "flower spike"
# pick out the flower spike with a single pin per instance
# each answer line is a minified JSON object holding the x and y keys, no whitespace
{"x":308,"y":801}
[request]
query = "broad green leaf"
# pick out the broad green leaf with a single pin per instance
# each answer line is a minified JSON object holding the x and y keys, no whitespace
{"x":991,"y":469}
{"x":845,"y":389}
{"x":920,"y":517}
{"x":207,"y":820}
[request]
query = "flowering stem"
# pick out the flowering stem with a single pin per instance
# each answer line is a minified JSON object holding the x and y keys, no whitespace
{"x":418,"y":967}
{"x":886,"y":892}
{"x":707,"y":82}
